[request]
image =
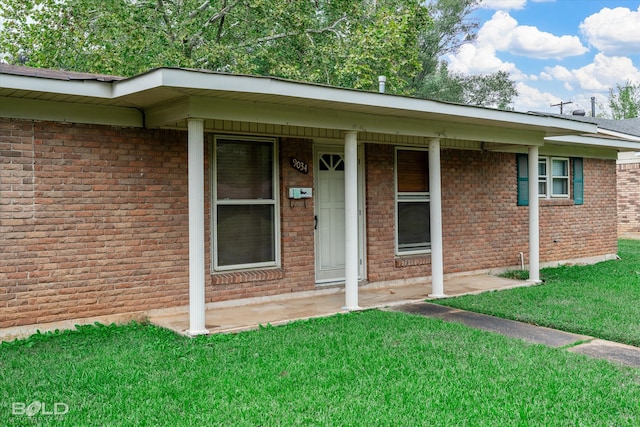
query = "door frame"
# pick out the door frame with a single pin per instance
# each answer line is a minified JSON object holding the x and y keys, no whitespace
{"x":323,"y":147}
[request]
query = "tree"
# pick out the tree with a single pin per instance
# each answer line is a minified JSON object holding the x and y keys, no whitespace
{"x":452,"y":27}
{"x":494,"y":90}
{"x":342,"y":42}
{"x":336,"y":42}
{"x":625,"y":101}
{"x":491,"y":90}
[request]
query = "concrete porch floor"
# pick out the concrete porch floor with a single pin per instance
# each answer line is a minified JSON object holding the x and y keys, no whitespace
{"x":247,"y":314}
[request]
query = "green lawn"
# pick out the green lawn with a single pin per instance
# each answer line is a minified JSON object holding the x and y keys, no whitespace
{"x":363,"y":368}
{"x":366,"y":368}
{"x":601,"y":300}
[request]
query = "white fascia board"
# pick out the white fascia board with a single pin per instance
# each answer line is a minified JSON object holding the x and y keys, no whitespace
{"x":595,"y":141}
{"x":35,"y":109}
{"x":140,"y":83}
{"x":620,"y":135}
{"x":88,"y":88}
{"x":188,"y":79}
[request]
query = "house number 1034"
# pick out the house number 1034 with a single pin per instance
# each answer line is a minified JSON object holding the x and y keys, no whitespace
{"x":299,"y":165}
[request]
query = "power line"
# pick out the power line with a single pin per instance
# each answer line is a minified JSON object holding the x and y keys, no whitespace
{"x":561,"y":104}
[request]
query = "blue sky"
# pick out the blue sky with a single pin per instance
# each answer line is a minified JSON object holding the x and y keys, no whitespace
{"x":556,"y":50}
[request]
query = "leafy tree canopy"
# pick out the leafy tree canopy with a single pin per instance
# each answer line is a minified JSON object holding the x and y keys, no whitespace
{"x":624,"y":101}
{"x":336,"y":42}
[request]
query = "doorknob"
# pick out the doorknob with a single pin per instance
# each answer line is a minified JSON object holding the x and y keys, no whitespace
{"x":315,"y":222}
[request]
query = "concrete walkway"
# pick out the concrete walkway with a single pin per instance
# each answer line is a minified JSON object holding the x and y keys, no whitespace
{"x":250,"y":313}
{"x":240,"y":315}
{"x":247,"y":314}
{"x":600,"y":349}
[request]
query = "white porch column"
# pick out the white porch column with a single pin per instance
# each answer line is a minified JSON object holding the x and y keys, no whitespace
{"x":351,"y":219}
{"x":534,"y":218}
{"x":435,"y":192}
{"x":196,"y":228}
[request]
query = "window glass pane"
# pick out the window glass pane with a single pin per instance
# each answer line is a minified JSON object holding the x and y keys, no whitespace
{"x":338,"y":162}
{"x":560,"y":168}
{"x":542,"y":188}
{"x":412,"y":171}
{"x":413,"y":226}
{"x":561,"y":186}
{"x":244,"y":169}
{"x":246,"y":234}
{"x":542,"y":168}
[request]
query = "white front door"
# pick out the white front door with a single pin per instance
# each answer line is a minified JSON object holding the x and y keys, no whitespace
{"x":330,"y":220}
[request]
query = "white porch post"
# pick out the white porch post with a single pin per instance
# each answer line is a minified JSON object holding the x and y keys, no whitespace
{"x":196,"y":227}
{"x":534,"y":218}
{"x":435,"y":211}
{"x":351,"y":219}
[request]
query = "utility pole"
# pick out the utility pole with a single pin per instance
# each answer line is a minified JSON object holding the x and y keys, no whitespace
{"x":561,"y":104}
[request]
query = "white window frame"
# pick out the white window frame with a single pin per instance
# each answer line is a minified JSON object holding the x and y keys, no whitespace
{"x":543,"y":179}
{"x":273,"y":202}
{"x":549,"y":178}
{"x":407,"y":197}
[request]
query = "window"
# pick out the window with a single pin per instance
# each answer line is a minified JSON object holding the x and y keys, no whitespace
{"x":413,"y":234}
{"x":553,"y":178}
{"x":543,"y":179}
{"x":245,"y":208}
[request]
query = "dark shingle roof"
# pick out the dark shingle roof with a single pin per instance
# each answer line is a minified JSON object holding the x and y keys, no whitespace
{"x":628,"y":126}
{"x":54,"y":74}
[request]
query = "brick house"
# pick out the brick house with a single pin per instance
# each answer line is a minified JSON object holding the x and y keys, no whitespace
{"x":628,"y":193}
{"x":628,"y":167}
{"x":181,"y":187}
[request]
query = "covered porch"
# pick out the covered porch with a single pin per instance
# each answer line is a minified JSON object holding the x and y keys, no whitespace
{"x":251,"y":313}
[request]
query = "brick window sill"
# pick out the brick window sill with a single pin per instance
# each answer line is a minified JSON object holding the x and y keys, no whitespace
{"x":261,"y":275}
{"x":544,"y":203}
{"x":411,"y":261}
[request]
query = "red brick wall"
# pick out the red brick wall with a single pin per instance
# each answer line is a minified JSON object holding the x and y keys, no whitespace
{"x":482,"y":225}
{"x":94,"y":221}
{"x":297,"y":272}
{"x":628,"y":198}
{"x":583,"y":230}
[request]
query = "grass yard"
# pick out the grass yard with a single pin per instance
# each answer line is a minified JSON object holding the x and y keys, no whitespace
{"x":601,"y":300}
{"x":364,"y":368}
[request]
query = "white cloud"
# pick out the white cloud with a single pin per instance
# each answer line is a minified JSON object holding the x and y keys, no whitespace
{"x":532,"y":99}
{"x":605,"y":72}
{"x":502,"y":4}
{"x":502,"y":33}
{"x":613,"y":31}
{"x":508,"y":4}
{"x":558,"y":73}
{"x":479,"y":59}
{"x":529,"y":41}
